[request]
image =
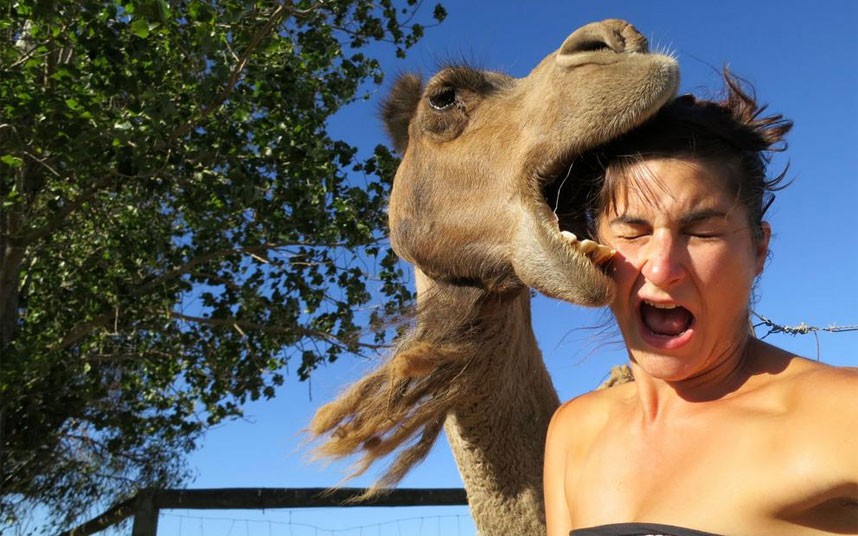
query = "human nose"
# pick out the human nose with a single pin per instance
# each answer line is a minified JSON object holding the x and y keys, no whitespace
{"x":664,"y":260}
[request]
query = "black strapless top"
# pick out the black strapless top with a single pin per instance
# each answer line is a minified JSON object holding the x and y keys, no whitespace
{"x":638,"y":529}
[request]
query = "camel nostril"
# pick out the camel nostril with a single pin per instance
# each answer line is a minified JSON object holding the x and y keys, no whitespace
{"x":592,"y":41}
{"x":591,"y":46}
{"x":609,"y":35}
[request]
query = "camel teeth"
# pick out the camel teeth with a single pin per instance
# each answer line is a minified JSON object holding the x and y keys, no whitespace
{"x":569,"y":236}
{"x":587,"y":246}
{"x":602,"y":253}
{"x":597,"y":252}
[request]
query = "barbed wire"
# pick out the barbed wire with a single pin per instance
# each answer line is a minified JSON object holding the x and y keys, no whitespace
{"x":801,"y":329}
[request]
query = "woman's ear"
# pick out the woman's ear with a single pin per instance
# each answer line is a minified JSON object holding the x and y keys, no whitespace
{"x":762,"y":246}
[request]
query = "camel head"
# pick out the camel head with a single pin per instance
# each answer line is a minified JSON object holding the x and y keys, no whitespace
{"x":482,"y":206}
{"x":480,"y":199}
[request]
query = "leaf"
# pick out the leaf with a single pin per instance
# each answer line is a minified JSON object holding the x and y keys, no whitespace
{"x":140,"y":28}
{"x":11,"y":160}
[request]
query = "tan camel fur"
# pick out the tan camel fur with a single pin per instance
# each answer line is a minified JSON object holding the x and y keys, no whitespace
{"x":475,"y":209}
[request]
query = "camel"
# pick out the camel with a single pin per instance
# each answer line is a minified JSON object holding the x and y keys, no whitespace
{"x":480,"y":208}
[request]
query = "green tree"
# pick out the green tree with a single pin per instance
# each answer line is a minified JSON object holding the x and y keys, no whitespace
{"x":177,"y":225}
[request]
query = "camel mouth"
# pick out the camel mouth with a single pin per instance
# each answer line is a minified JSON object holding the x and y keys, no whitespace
{"x":568,"y":200}
{"x":600,"y":254}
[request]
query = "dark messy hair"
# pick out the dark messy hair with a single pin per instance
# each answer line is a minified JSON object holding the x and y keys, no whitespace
{"x":732,"y":133}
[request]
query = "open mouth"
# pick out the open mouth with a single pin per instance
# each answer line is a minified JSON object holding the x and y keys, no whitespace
{"x":568,"y":198}
{"x":666,"y":320}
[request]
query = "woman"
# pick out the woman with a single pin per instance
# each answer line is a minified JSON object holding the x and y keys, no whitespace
{"x":720,"y":433}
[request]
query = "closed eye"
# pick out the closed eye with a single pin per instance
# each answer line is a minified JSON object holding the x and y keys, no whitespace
{"x":631,"y":231}
{"x":705,"y":231}
{"x":704,"y":235}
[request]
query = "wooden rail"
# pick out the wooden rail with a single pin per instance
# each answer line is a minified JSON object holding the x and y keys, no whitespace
{"x":145,"y":506}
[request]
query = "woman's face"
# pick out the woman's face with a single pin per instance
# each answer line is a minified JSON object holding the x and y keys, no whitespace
{"x":684,"y":268}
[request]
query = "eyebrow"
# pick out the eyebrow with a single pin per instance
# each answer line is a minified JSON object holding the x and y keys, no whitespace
{"x":625,"y":219}
{"x":687,"y":219}
{"x":703,"y":215}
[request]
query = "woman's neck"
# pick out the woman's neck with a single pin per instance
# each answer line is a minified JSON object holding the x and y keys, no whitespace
{"x":728,"y":373}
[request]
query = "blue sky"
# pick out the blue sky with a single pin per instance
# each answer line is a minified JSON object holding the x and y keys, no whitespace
{"x":802,"y":60}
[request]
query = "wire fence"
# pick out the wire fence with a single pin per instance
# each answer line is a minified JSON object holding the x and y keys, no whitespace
{"x":341,"y":522}
{"x":286,"y":511}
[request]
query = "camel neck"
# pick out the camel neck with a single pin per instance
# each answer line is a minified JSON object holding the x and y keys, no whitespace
{"x":497,"y":430}
{"x":491,"y":334}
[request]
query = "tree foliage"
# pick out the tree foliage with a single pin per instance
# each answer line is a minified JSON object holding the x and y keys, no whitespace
{"x":177,"y":225}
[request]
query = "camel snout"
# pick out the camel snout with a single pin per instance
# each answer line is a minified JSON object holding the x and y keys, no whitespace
{"x":589,"y":43}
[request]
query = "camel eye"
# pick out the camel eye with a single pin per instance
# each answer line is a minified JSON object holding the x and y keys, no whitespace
{"x":443,"y":99}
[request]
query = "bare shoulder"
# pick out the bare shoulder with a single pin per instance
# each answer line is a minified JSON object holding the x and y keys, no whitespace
{"x":823,"y":402}
{"x":574,"y":428}
{"x":578,"y":421}
{"x":805,"y":383}
{"x":816,"y":384}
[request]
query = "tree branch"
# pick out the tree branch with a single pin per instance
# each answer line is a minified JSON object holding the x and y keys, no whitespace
{"x":243,"y":325}
{"x":192,"y":263}
{"x":80,"y":331}
{"x":235,"y":74}
{"x":63,"y":213}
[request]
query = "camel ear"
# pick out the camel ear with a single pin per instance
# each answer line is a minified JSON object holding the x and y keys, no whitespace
{"x":399,"y":107}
